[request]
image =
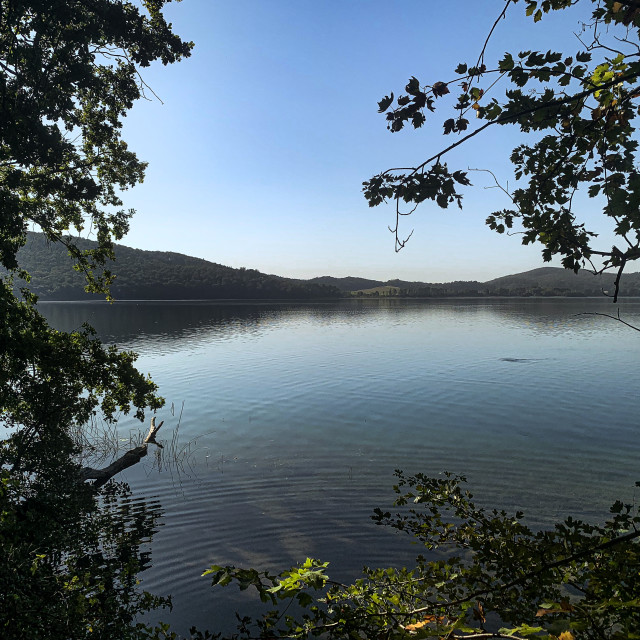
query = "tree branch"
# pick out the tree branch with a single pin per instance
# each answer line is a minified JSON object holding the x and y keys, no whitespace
{"x":126,"y":460}
{"x":503,"y":119}
{"x":607,"y":315}
{"x":545,"y":567}
{"x":493,"y":28}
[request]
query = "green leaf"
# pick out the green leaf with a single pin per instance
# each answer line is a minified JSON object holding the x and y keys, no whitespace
{"x":507,"y":63}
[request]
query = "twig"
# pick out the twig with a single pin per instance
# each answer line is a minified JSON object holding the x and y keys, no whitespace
{"x":607,"y":315}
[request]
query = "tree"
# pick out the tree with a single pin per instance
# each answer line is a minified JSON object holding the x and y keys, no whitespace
{"x":485,"y":573}
{"x":579,"y":109}
{"x":69,"y":72}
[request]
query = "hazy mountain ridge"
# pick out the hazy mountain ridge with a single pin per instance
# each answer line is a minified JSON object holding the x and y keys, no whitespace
{"x":165,"y":275}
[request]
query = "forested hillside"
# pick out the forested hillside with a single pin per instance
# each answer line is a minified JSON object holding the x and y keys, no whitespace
{"x":164,"y":275}
{"x":546,"y":281}
{"x":556,"y":281}
{"x":157,"y":275}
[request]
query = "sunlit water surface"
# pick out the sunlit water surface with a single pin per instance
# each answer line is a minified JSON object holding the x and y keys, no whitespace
{"x":289,"y":419}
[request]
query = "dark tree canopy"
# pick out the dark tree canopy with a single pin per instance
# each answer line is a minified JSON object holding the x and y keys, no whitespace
{"x":582,"y":112}
{"x":69,"y":72}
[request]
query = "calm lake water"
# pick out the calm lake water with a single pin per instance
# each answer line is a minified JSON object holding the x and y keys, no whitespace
{"x":289,"y":419}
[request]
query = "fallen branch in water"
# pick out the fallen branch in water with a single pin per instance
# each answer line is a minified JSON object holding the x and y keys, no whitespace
{"x":128,"y":459}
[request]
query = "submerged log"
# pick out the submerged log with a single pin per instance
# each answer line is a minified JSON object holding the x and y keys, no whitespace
{"x":126,"y":460}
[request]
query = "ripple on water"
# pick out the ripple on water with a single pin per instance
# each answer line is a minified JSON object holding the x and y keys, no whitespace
{"x":295,"y":417}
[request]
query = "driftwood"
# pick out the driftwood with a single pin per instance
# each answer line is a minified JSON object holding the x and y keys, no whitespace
{"x":126,"y":460}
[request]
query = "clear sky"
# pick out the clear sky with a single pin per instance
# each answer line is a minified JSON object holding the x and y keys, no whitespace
{"x":258,"y":153}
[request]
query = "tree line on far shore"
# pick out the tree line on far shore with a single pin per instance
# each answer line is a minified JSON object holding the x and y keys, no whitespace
{"x":163,"y":275}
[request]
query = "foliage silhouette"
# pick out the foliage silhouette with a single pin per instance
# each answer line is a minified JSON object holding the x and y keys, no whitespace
{"x":580,"y":111}
{"x":69,"y":72}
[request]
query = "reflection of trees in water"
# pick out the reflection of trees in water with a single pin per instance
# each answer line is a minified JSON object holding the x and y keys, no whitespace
{"x":539,"y":315}
{"x":128,"y":321}
{"x":560,"y":317}
{"x":163,"y":322}
{"x":70,"y":561}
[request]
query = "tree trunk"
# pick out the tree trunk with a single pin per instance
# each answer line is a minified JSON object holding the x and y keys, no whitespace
{"x":126,"y":460}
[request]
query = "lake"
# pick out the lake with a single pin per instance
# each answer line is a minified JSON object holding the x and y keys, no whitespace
{"x":284,"y":423}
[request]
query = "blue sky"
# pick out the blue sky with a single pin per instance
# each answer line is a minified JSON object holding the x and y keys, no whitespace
{"x":265,"y":134}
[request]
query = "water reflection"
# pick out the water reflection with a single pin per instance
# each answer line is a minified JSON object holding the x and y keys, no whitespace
{"x":71,"y":559}
{"x":162,"y":322}
{"x":127,"y":322}
{"x":300,"y":412}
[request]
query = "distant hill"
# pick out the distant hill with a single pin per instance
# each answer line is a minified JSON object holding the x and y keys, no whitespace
{"x":346,"y":284}
{"x":545,"y":281}
{"x":556,"y":281}
{"x":351,"y":284}
{"x":164,"y":275}
{"x":157,"y":275}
